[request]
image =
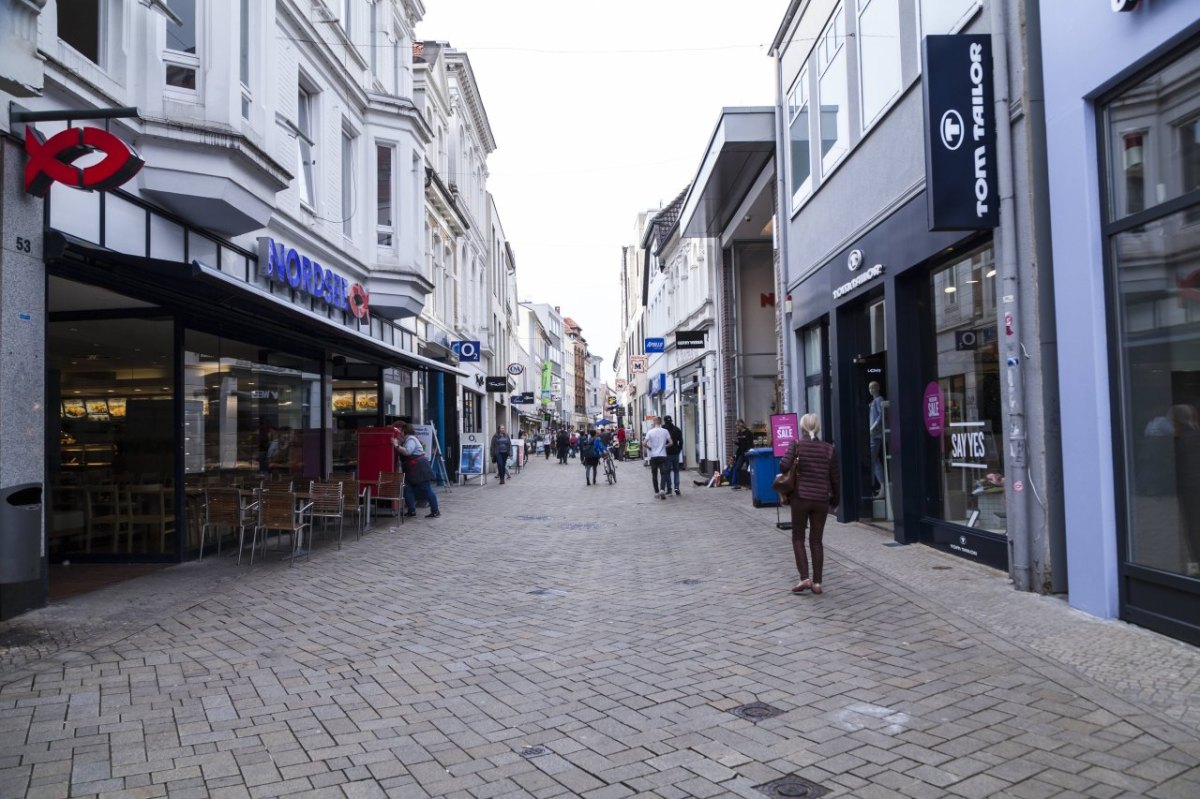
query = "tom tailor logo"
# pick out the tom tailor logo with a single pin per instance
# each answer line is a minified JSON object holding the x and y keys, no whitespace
{"x":979,"y":131}
{"x":51,"y":160}
{"x":850,"y":285}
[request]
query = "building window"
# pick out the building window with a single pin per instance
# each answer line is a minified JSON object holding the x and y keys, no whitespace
{"x":1155,"y":302}
{"x":800,"y":151}
{"x":814,"y":364}
{"x":244,"y":56}
{"x":878,"y":56}
{"x":945,"y":16}
{"x":81,"y":24}
{"x":385,"y":192}
{"x":305,"y":146}
{"x":832,"y":92}
{"x":971,"y":444}
{"x":347,"y":183}
{"x":181,"y":57}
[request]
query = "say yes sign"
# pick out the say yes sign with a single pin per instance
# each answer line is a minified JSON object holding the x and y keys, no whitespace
{"x":960,"y":133}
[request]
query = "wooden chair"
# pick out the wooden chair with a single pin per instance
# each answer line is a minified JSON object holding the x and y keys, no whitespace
{"x":328,"y":502}
{"x":223,"y":508}
{"x":278,"y":510}
{"x":390,"y":488}
{"x":151,"y":508}
{"x":107,"y":514}
{"x":350,"y":490}
{"x":277,"y":485}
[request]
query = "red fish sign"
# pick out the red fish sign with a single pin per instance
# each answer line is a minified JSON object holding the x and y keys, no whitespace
{"x":50,"y":160}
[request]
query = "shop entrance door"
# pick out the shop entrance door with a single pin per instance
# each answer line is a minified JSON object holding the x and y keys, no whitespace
{"x":874,"y":446}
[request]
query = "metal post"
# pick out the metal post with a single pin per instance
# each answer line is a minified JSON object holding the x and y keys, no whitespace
{"x":1008,"y":315}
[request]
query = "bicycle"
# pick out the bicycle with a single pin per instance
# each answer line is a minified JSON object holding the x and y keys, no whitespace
{"x":610,"y":468}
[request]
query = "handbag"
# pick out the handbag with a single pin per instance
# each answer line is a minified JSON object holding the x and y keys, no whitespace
{"x":417,"y":470}
{"x":784,"y":484}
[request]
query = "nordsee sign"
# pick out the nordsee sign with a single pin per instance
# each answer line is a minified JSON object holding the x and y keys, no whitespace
{"x":281,"y":264}
{"x":960,"y":135}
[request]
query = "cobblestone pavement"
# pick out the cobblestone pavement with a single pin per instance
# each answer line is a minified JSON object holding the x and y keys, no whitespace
{"x":549,"y":639}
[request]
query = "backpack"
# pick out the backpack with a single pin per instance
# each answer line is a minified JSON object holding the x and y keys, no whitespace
{"x":598,"y":447}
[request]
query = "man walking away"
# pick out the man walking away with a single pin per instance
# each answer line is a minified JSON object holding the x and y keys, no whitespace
{"x":745,"y":440}
{"x":656,"y":442}
{"x":587,"y":454}
{"x":501,"y":447}
{"x":674,"y":452}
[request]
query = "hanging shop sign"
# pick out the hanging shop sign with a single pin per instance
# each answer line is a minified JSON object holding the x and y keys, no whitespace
{"x":689,"y":340}
{"x":515,"y":369}
{"x":656,"y":344}
{"x":960,"y":133}
{"x":466,"y":351}
{"x":524,"y":398}
{"x":638,"y":364}
{"x":51,"y":160}
{"x":497,"y":384}
{"x":621,"y":383}
{"x":282,"y":264}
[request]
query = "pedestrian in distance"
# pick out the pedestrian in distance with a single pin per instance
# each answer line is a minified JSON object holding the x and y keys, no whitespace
{"x":674,"y":452}
{"x":744,"y":440}
{"x":655,"y":443}
{"x":562,"y":444}
{"x":815,"y":491}
{"x":621,"y":437}
{"x":587,"y":454}
{"x":418,"y":473}
{"x":501,"y":447}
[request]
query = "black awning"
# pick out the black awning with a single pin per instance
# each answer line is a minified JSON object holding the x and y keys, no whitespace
{"x":194,"y":285}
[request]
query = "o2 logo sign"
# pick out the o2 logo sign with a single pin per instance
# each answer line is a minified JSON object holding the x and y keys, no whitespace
{"x":467,"y":351}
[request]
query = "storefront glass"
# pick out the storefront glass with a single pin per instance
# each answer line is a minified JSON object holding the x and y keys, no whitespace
{"x":355,"y":404}
{"x":971,"y":447}
{"x":110,"y":385}
{"x":249,"y":413}
{"x":1153,"y":136}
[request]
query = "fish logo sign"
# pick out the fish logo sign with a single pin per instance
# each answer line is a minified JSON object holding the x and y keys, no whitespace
{"x":50,"y":160}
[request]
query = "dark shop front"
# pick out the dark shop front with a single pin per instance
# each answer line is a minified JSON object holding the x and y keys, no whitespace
{"x":897,"y":343}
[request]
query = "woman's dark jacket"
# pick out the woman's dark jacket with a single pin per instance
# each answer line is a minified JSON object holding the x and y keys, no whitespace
{"x":816,"y":471}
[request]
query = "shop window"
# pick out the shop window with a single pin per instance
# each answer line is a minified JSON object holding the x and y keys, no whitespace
{"x":81,"y":24}
{"x":250,"y":413}
{"x":471,"y":422}
{"x":800,"y":152}
{"x":110,"y":387}
{"x":1156,"y":304}
{"x":355,"y":404}
{"x":832,"y":92}
{"x":971,"y":449}
{"x":181,"y":57}
{"x":878,"y":56}
{"x":385,"y":192}
{"x":814,"y":368}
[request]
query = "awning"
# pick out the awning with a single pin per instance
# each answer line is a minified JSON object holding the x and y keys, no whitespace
{"x":161,"y":281}
{"x":741,"y":146}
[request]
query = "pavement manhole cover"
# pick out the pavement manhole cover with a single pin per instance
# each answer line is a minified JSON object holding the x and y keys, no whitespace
{"x":534,"y":751}
{"x":756,"y":711}
{"x":689,"y":581}
{"x":791,"y":786}
{"x":548,"y":592}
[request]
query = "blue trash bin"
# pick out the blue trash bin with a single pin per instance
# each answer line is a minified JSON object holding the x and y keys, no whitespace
{"x":763,"y":468}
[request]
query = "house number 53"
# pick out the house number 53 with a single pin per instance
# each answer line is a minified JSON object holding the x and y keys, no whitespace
{"x":24,"y":244}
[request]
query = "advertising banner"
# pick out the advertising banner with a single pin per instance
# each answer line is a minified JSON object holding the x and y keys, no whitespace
{"x":656,"y":344}
{"x":785,"y":428}
{"x":689,"y":340}
{"x":547,"y":381}
{"x":960,"y":133}
{"x":470,"y":460}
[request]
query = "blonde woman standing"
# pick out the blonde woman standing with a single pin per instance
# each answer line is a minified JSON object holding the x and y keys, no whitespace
{"x":815,"y":492}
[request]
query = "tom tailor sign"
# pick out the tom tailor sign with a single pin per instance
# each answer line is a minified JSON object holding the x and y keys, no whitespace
{"x":960,"y":135}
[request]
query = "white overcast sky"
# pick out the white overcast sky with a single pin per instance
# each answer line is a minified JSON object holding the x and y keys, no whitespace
{"x":600,"y":110}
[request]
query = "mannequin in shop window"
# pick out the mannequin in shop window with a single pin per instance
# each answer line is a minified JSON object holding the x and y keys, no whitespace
{"x":875,"y":420}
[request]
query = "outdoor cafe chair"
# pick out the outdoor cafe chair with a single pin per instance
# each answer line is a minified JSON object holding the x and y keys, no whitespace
{"x":223,"y":508}
{"x":390,"y":488}
{"x":358,"y":492}
{"x":280,"y":511}
{"x":327,"y":501}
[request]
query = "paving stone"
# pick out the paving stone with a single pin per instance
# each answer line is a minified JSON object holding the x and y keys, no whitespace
{"x":417,"y":663}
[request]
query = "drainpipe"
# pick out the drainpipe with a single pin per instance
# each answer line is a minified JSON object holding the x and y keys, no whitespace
{"x":781,"y":219}
{"x":1008,"y":310}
